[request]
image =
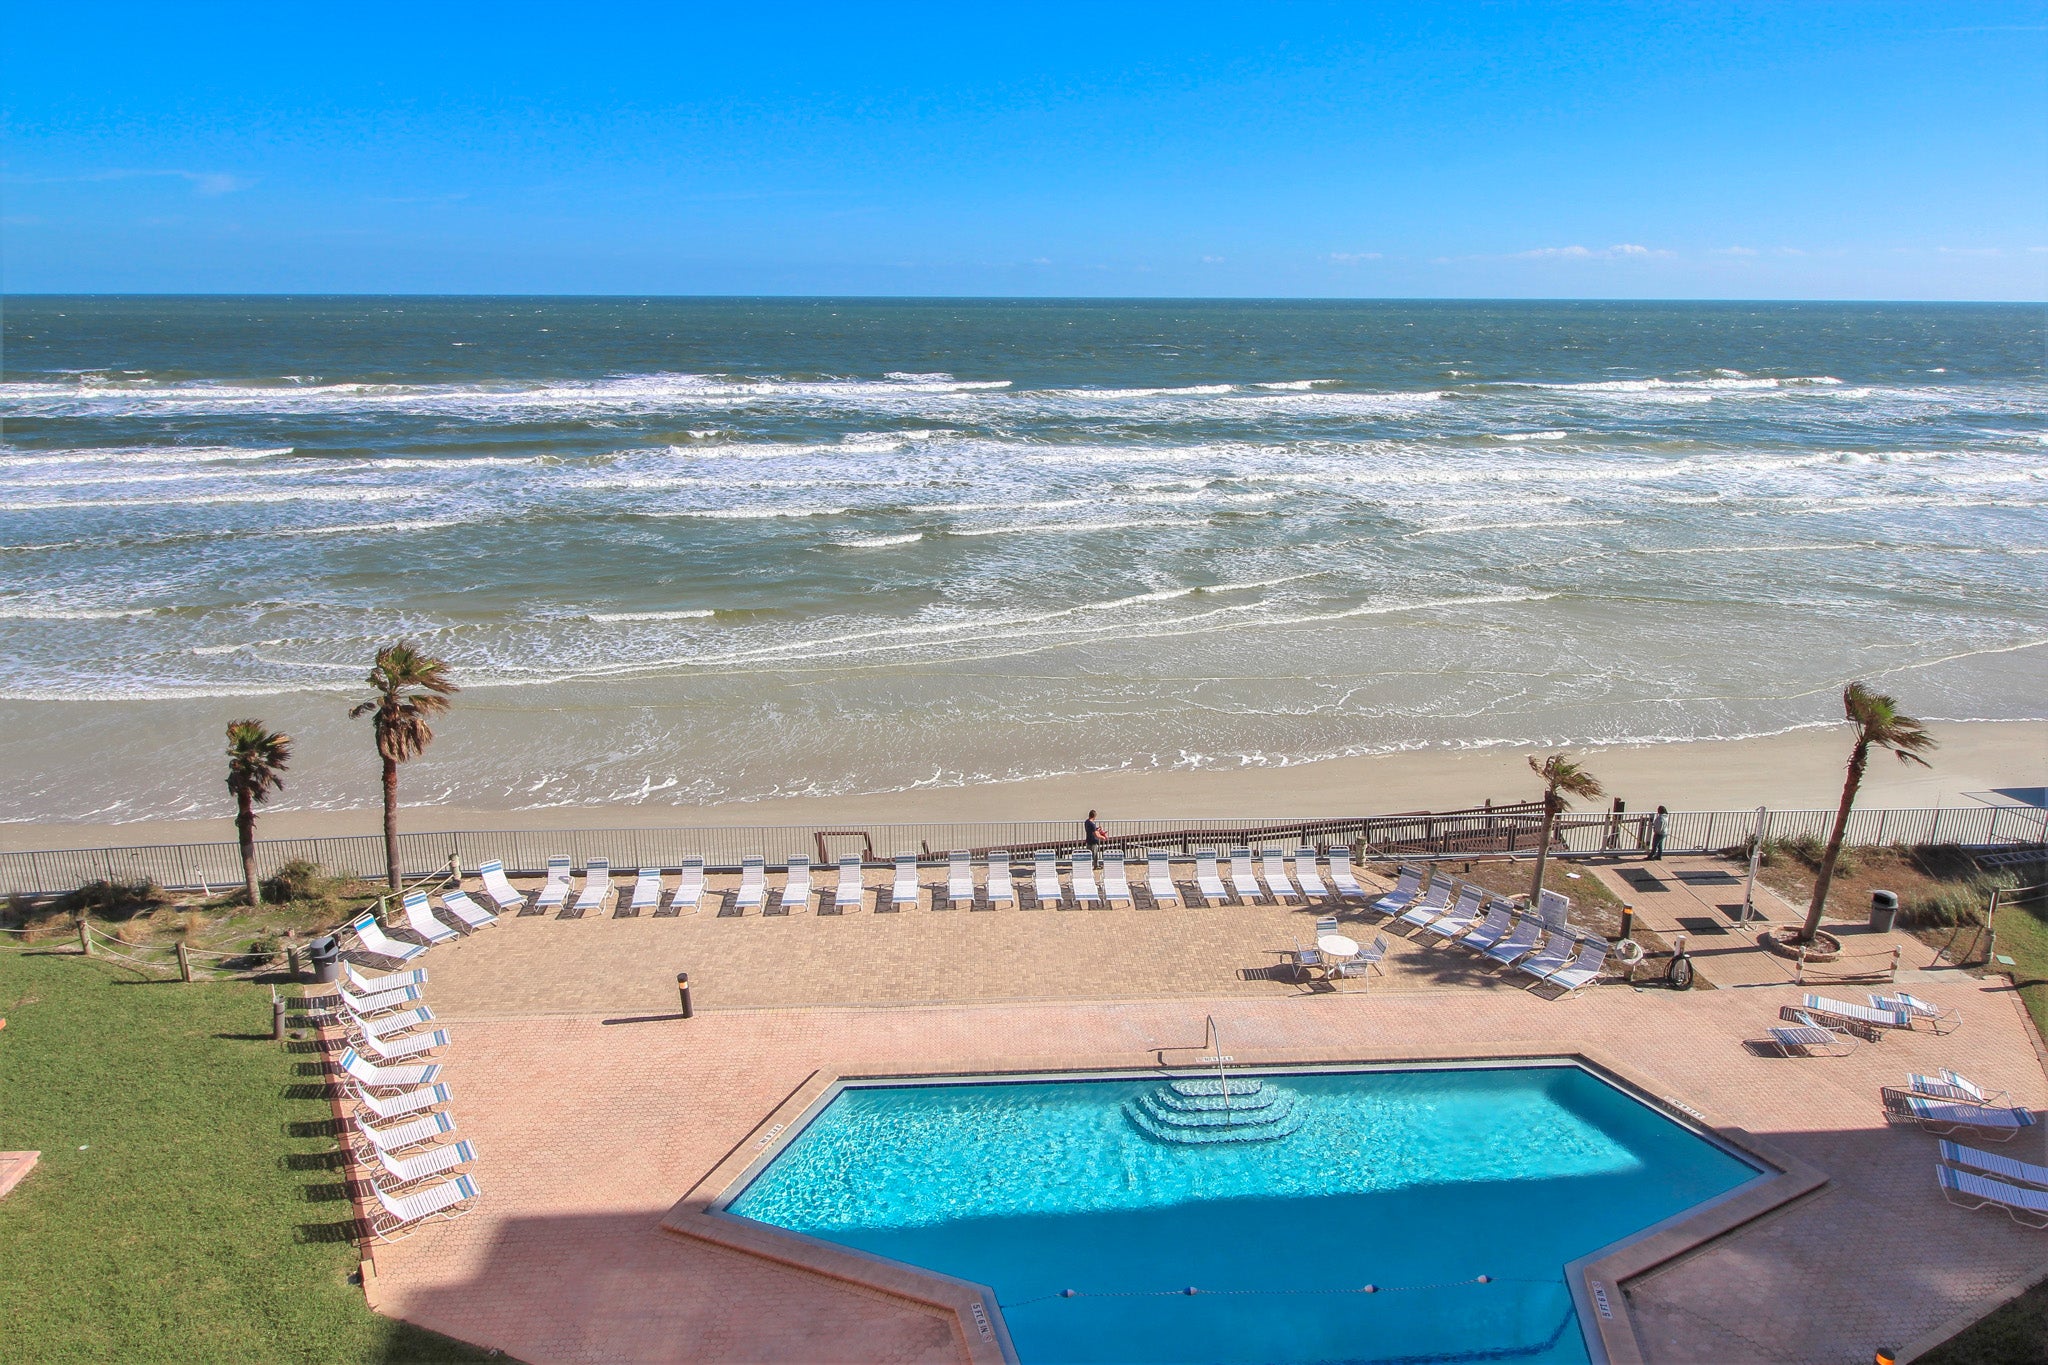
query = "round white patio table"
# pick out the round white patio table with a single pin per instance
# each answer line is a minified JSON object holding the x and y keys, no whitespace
{"x":1338,"y":945}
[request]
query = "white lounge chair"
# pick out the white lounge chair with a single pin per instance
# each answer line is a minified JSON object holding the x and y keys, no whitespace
{"x":2027,"y":1207}
{"x":439,"y":1159}
{"x":1861,"y":1018}
{"x":852,"y":885}
{"x":555,"y":890}
{"x":389,"y":1026}
{"x":753,"y":892}
{"x":1273,"y":866}
{"x":1159,"y":879}
{"x":646,"y":891}
{"x":960,"y":879}
{"x":1407,"y":887}
{"x":1430,"y":905}
{"x":1206,"y":879}
{"x":1000,"y":892}
{"x":689,"y":886}
{"x":502,"y":893}
{"x":904,"y":890}
{"x":796,"y":886}
{"x":1045,"y":878}
{"x":1555,"y":957}
{"x":1526,"y":939}
{"x":400,"y":1214}
{"x":371,"y":935}
{"x":370,"y":1076}
{"x":2006,"y":1168}
{"x":377,"y":985}
{"x":389,"y":1051}
{"x":1958,"y":1089}
{"x":1811,"y":1040}
{"x":396,"y":1137}
{"x":368,"y":1006}
{"x":1305,"y":873}
{"x":1987,"y":1121}
{"x":1116,"y":883}
{"x":472,"y":915}
{"x":1500,"y":917}
{"x":1081,"y":873}
{"x":419,"y":917}
{"x":402,"y":1102}
{"x":1463,"y":913}
{"x":1939,"y":1020}
{"x":1241,"y":879}
{"x":597,"y":885}
{"x":1584,"y":970}
{"x":1342,"y":877}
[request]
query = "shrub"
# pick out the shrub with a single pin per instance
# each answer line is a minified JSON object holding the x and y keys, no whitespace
{"x":298,"y":880}
{"x":115,"y":900}
{"x":1958,"y":903}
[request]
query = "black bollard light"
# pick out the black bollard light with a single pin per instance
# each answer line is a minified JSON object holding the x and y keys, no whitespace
{"x":683,"y":990}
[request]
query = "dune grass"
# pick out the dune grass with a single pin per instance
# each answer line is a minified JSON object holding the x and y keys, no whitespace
{"x":186,"y":1183}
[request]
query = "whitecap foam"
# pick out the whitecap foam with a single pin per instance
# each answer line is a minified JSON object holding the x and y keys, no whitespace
{"x":681,"y":614}
{"x":880,"y":542}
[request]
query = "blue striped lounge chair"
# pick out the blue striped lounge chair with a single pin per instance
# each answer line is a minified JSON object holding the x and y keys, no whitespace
{"x":419,"y":917}
{"x":401,"y":1103}
{"x":1463,"y":914}
{"x":555,"y":890}
{"x":1967,"y":1190}
{"x":1995,"y":1123}
{"x":1242,"y":880}
{"x":1406,"y":888}
{"x":371,"y":935}
{"x":904,"y":891}
{"x":501,"y":891}
{"x":367,"y":1075}
{"x":1938,"y":1020}
{"x":1342,"y":877}
{"x":1430,"y":905}
{"x":1811,"y":1040}
{"x":400,"y":1213}
{"x":397,"y":1138}
{"x":1500,"y":917}
{"x":1526,"y":939}
{"x":1305,"y":875}
{"x":1954,"y":1087}
{"x":472,"y":915}
{"x":597,"y":885}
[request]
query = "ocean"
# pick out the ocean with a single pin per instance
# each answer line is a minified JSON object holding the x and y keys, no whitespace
{"x":691,"y":550}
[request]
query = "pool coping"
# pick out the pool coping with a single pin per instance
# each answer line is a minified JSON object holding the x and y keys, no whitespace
{"x":1597,"y":1281}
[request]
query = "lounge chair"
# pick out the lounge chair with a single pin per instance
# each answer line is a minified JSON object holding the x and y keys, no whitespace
{"x":2027,"y":1207}
{"x":391,"y":1050}
{"x":1584,"y":970}
{"x":369,"y":1076}
{"x":1206,"y":879}
{"x":1993,"y":1122}
{"x":368,"y":1006}
{"x":905,"y":889}
{"x":1000,"y":892}
{"x":403,"y":1102}
{"x":1555,"y":957}
{"x":597,"y":885}
{"x":646,"y":891}
{"x":1526,"y":939}
{"x":753,"y":892}
{"x":390,"y":1026}
{"x":1241,"y":879}
{"x":371,"y":935}
{"x":1811,"y":1040}
{"x":555,"y":890}
{"x":501,"y":891}
{"x":472,"y":915}
{"x":796,"y":886}
{"x":1342,"y":877}
{"x":1430,"y":905}
{"x":1305,"y":873}
{"x":1045,"y":878}
{"x":1081,"y":873}
{"x":439,"y":1159}
{"x":377,"y":985}
{"x":1273,"y":867}
{"x":1500,"y":917}
{"x":419,"y":917}
{"x":960,"y":879}
{"x":1463,"y":914}
{"x":1406,"y":888}
{"x":1954,"y":1087}
{"x":1858,"y":1019}
{"x":1159,"y":879}
{"x":1116,"y":882}
{"x":853,"y":887}
{"x":1939,"y":1020}
{"x":689,"y":886}
{"x":399,"y":1214}
{"x":2006,"y":1168}
{"x":397,"y":1137}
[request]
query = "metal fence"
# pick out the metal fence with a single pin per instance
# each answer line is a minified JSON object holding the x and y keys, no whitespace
{"x":1486,"y":830}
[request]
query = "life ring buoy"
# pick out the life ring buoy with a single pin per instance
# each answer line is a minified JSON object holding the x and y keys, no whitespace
{"x":1628,"y":952}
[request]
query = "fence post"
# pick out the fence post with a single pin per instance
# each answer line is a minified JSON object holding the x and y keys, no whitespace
{"x":184,"y":962}
{"x":84,"y":936}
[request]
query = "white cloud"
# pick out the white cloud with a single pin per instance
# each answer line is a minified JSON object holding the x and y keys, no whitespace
{"x":1353,"y":257}
{"x":202,"y":182}
{"x":1619,"y":251}
{"x":1212,"y":260}
{"x":1734,"y":251}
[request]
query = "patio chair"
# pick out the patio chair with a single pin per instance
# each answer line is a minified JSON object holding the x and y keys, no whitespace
{"x":689,"y":886}
{"x":419,"y":917}
{"x":1116,"y":882}
{"x":368,"y":1075}
{"x":1406,"y":888}
{"x":1305,"y":874}
{"x":1499,"y":919}
{"x":391,"y":1050}
{"x":502,"y":893}
{"x":1939,"y":1020}
{"x":1081,"y":874}
{"x":1992,"y":1122}
{"x":555,"y":890}
{"x":1159,"y":879}
{"x":1241,"y":879}
{"x":1326,"y":924}
{"x":1430,"y":905}
{"x":397,"y":1137}
{"x":1463,"y":914}
{"x":2027,"y":1207}
{"x":2006,"y":1168}
{"x":960,"y":879}
{"x":1206,"y":879}
{"x":1000,"y":892}
{"x":1584,"y":970}
{"x":853,"y":887}
{"x":1368,"y":959}
{"x":1861,"y":1020}
{"x":904,"y":891}
{"x":472,"y":915}
{"x":1273,"y":867}
{"x":1526,"y":939}
{"x":1045,"y":878}
{"x":398,"y":1214}
{"x":1307,"y":961}
{"x":796,"y":886}
{"x":439,"y":1159}
{"x":400,"y":1103}
{"x":377,"y":985}
{"x":1811,"y":1040}
{"x":1556,"y":956}
{"x":371,"y":935}
{"x":753,"y":892}
{"x":1342,"y":877}
{"x":1949,"y":1085}
{"x":646,"y":891}
{"x":597,"y":885}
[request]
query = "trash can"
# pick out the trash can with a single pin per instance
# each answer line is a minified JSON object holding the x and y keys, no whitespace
{"x":1884,"y":911}
{"x":326,"y":956}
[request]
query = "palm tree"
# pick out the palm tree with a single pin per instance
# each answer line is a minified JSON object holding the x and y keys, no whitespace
{"x":1879,"y":724}
{"x":1561,"y":778}
{"x":257,"y":758}
{"x":411,"y":687}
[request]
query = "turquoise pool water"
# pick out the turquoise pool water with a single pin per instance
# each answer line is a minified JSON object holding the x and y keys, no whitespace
{"x":1416,"y":1181}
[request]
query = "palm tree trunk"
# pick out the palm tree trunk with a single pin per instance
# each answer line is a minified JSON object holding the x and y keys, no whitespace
{"x":245,"y":832}
{"x":391,"y":820}
{"x":1857,"y":760}
{"x":1543,"y":845}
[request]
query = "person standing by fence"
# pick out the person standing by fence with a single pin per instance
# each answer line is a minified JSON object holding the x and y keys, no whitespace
{"x":1091,"y":833}
{"x":1657,"y":823}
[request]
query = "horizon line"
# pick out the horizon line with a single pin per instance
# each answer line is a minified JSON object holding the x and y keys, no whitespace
{"x":9,"y":295}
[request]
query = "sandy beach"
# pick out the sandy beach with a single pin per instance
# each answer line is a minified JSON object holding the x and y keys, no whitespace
{"x":1800,"y":770}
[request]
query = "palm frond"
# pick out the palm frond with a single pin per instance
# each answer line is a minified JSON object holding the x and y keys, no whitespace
{"x":1880,"y":724}
{"x":257,"y":759}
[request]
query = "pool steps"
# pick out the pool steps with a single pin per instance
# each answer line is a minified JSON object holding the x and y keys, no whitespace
{"x":1200,"y":1111}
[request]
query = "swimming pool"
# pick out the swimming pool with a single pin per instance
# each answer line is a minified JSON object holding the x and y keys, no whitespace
{"x":1278,"y":1203}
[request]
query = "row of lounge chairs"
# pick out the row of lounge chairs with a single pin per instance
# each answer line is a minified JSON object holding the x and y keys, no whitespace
{"x":1538,"y":941}
{"x":1950,"y":1105}
{"x":1823,"y":1027}
{"x":398,"y":1117}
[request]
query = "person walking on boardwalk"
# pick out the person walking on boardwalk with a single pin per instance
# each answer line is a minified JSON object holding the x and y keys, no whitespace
{"x":1657,"y":823}
{"x":1091,"y":833}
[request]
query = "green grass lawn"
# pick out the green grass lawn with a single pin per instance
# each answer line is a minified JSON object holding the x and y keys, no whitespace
{"x":185,"y":1185}
{"x":2023,"y":937}
{"x":2016,"y":1334}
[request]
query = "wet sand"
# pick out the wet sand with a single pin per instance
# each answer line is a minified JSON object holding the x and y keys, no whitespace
{"x":1801,"y":770}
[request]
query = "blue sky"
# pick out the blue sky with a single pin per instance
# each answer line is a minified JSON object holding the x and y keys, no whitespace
{"x":1780,"y":150}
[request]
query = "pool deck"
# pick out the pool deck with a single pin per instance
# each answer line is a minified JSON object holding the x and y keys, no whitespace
{"x":594,"y":1111}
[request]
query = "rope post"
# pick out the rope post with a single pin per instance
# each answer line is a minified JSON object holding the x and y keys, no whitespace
{"x":292,"y":958}
{"x":1893,"y":977}
{"x":1799,"y":976}
{"x":84,"y":936}
{"x":184,"y":962}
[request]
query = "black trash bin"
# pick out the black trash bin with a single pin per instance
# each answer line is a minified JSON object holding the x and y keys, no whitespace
{"x":325,"y":953}
{"x":1884,"y":910}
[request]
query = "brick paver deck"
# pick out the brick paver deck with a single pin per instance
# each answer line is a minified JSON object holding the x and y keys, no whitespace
{"x":592,"y":1113}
